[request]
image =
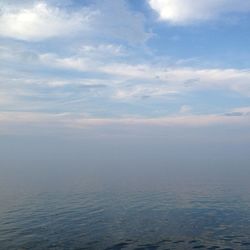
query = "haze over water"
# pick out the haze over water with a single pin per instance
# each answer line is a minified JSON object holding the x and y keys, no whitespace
{"x":150,"y":191}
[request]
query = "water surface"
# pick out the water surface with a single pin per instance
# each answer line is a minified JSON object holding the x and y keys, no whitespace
{"x":127,"y":199}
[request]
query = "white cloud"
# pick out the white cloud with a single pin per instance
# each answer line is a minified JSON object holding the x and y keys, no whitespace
{"x":188,"y":11}
{"x":127,"y":80}
{"x":41,"y":21}
{"x":176,"y":79}
{"x":102,"y":50}
{"x":143,"y":91}
{"x":75,"y":62}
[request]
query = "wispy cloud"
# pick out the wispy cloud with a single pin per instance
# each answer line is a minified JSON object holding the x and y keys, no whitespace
{"x":174,"y":78}
{"x":82,"y":121}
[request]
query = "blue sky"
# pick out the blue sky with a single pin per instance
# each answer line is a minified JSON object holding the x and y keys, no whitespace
{"x":99,"y":62}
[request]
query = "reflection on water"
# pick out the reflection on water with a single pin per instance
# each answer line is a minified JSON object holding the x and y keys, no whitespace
{"x":195,"y":217}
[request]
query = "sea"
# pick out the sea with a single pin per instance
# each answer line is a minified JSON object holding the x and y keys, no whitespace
{"x":127,"y":197}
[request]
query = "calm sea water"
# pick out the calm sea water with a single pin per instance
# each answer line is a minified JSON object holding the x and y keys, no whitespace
{"x":187,"y":215}
{"x":123,"y":202}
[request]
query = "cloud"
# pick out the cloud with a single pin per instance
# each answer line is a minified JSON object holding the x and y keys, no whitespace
{"x":166,"y":79}
{"x":74,"y":62}
{"x":102,"y":50}
{"x":182,"y":12}
{"x":41,"y":21}
{"x":82,"y":121}
{"x":90,"y":81}
{"x":143,"y":91}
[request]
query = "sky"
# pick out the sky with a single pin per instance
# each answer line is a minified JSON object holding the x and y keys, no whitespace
{"x":79,"y":64}
{"x":124,"y":93}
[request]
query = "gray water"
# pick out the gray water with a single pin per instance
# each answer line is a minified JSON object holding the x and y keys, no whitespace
{"x":62,"y":196}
